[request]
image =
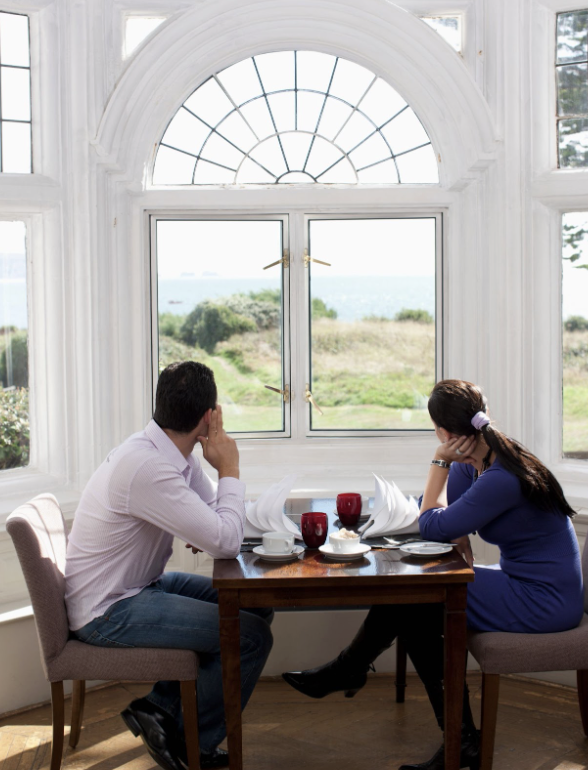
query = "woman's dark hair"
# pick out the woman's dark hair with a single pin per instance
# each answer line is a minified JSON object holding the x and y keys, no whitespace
{"x":185,"y":392}
{"x":453,"y":403}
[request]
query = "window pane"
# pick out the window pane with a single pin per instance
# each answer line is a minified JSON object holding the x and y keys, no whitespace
{"x":14,"y":361}
{"x":137,"y":28}
{"x":217,"y":305}
{"x":575,"y":334}
{"x":572,"y":37}
{"x":572,"y":90}
{"x":372,"y":323}
{"x":449,"y":27}
{"x":14,"y":39}
{"x":573,"y":143}
{"x":16,"y":148}
{"x":16,"y":94}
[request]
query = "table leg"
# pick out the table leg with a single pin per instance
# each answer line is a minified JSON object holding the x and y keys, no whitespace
{"x":455,"y":662}
{"x":228,"y":605}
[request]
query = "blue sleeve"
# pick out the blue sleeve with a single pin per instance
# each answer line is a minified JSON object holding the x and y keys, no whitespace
{"x":494,"y":493}
{"x":461,"y":478}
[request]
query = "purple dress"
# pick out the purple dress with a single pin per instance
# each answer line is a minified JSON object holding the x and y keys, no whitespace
{"x":537,"y":587}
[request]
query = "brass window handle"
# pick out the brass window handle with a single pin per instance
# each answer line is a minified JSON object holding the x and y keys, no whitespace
{"x":308,"y":259}
{"x":285,"y":392}
{"x":310,"y":399}
{"x":284,"y":261}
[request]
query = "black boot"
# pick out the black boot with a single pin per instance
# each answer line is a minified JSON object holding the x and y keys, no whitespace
{"x":348,"y":672}
{"x":469,"y":755}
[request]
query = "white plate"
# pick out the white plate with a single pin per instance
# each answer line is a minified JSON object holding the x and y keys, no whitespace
{"x":260,"y":551}
{"x":328,"y":551}
{"x":425,"y":549}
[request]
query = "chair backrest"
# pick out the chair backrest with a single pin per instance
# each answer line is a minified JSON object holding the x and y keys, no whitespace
{"x":585,"y":573}
{"x":38,"y":532}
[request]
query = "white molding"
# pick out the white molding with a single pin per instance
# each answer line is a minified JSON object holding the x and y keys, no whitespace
{"x":378,"y":35}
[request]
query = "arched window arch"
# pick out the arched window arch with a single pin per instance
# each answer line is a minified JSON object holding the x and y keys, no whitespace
{"x":295,"y":117}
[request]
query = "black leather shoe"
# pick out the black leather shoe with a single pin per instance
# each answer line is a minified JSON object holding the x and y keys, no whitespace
{"x":469,"y":756}
{"x":332,"y":677}
{"x":157,"y":731}
{"x":212,"y":759}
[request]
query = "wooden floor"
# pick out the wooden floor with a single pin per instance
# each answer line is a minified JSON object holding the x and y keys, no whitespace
{"x":538,"y":729}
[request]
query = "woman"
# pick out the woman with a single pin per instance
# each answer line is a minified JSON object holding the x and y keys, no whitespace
{"x":479,"y":480}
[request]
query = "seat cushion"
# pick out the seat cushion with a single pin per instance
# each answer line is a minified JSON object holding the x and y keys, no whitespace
{"x":143,"y":664}
{"x":499,"y":652}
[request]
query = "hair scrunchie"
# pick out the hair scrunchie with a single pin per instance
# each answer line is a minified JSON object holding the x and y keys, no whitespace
{"x":479,"y":420}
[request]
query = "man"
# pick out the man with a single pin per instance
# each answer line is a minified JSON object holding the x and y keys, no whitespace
{"x":149,"y":490}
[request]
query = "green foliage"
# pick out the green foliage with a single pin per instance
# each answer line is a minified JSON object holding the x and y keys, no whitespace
{"x":320,"y":310}
{"x":576,"y":323}
{"x":14,"y":360}
{"x":419,"y":316}
{"x":210,"y":323}
{"x":376,"y":318}
{"x":573,"y":243}
{"x":14,"y":428}
{"x":265,"y":315}
{"x":170,"y":324}
{"x":267,"y":295}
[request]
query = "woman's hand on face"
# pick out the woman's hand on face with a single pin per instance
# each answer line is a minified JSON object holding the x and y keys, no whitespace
{"x":457,"y":450}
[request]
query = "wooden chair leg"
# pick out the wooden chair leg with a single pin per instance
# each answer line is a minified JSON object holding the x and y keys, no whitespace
{"x":190,"y":709}
{"x":582,"y":679}
{"x":490,"y":688}
{"x":400,"y":680}
{"x":77,"y":711}
{"x":58,"y":716}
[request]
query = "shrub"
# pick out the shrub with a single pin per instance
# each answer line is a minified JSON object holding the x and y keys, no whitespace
{"x":209,"y":323}
{"x":16,"y":353}
{"x":265,"y":315}
{"x":576,"y":323}
{"x":14,"y":428}
{"x":418,"y":315}
{"x":170,"y":325}
{"x":267,"y":295}
{"x":320,"y":310}
{"x":376,"y":318}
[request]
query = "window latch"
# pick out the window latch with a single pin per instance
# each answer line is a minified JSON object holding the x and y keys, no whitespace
{"x":285,"y":261}
{"x":285,"y":392}
{"x":310,"y":399}
{"x":308,"y":259}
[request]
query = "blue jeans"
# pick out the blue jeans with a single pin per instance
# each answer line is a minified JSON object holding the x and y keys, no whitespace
{"x":181,"y":611}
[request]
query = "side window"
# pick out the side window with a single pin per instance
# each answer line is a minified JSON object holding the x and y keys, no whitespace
{"x":15,"y":95}
{"x":14,"y":368}
{"x":575,"y":334}
{"x":572,"y":89}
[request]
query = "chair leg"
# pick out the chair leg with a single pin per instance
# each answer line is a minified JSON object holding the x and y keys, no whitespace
{"x":490,"y":688}
{"x":58,"y":716}
{"x":582,"y":679}
{"x":400,"y":680}
{"x":190,"y":709}
{"x":77,"y":711}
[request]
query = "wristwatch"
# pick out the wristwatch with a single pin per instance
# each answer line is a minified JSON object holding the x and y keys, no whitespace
{"x":441,"y":463}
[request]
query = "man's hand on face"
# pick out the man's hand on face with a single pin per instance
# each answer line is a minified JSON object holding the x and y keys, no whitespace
{"x":219,"y":449}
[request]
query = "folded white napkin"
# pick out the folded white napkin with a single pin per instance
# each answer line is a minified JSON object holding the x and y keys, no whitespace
{"x":265,"y":514}
{"x":391,"y":512}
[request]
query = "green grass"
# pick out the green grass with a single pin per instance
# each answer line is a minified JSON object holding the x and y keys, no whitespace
{"x":575,"y":392}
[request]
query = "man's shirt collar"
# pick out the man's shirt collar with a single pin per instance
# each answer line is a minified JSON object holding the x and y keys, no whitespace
{"x":166,"y":446}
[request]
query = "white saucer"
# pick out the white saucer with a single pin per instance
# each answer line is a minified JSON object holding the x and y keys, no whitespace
{"x":260,"y":551}
{"x":425,"y":549}
{"x":327,"y":550}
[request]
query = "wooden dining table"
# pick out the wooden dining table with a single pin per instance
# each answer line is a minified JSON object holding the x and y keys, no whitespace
{"x":382,"y":576}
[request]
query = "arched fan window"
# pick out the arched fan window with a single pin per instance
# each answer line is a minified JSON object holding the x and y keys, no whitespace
{"x":295,"y":117}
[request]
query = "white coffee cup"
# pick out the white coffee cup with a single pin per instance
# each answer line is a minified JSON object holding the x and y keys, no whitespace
{"x":344,"y":544}
{"x":277,"y":542}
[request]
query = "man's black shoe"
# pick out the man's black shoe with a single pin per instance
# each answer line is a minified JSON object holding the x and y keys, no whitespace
{"x":157,"y":730}
{"x":213,"y":759}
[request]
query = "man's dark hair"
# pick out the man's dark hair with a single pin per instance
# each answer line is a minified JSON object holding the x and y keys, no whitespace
{"x":186,"y":390}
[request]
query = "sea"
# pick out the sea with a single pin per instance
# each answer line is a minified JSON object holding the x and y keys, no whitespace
{"x":353,"y":297}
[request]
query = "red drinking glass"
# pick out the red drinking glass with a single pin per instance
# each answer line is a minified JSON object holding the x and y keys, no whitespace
{"x":313,"y":526}
{"x":349,"y":508}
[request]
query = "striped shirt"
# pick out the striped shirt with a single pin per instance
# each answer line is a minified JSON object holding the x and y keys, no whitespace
{"x":142,"y":496}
